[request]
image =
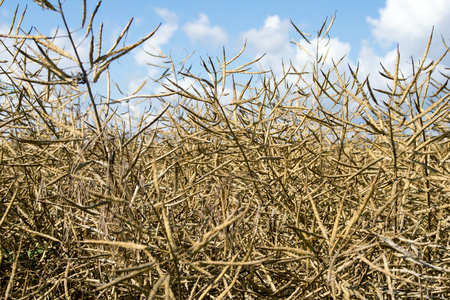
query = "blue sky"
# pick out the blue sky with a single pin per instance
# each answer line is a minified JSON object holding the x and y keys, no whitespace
{"x":367,"y":32}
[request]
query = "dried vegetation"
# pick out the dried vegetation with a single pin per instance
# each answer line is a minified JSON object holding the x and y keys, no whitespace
{"x":293,"y":189}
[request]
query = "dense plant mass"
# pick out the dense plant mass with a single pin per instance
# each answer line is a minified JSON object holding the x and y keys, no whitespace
{"x":243,"y":185}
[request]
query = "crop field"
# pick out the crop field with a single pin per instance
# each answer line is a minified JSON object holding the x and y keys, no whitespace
{"x":242,"y":185}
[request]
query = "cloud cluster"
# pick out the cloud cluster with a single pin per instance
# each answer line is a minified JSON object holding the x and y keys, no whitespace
{"x":409,"y":22}
{"x":159,"y":39}
{"x":201,"y":31}
{"x":153,"y":46}
{"x":405,"y":22}
{"x":273,"y":40}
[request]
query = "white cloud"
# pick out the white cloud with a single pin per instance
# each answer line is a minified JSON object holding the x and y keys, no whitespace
{"x":273,"y":40}
{"x":159,"y":39}
{"x":154,"y":46}
{"x":201,"y":31}
{"x":370,"y":64}
{"x":409,"y":23}
{"x":329,"y":51}
{"x":167,"y":15}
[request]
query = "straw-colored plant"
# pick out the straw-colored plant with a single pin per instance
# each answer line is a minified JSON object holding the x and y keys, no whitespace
{"x":310,"y":185}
